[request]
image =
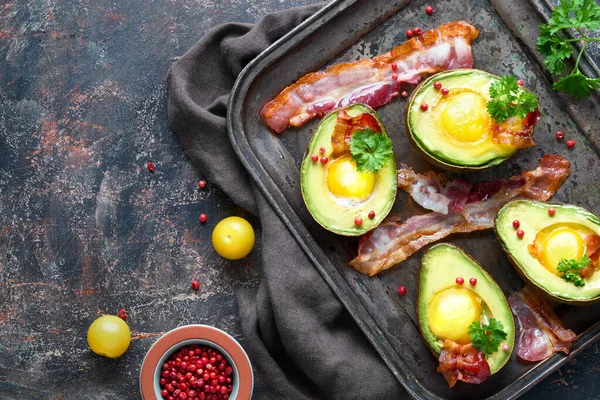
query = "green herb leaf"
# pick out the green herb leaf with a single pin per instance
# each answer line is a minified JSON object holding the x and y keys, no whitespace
{"x":487,"y":338}
{"x":509,"y":99}
{"x":575,"y":14}
{"x":577,"y":85}
{"x":370,"y":149}
{"x":556,"y":47}
{"x":569,"y":270}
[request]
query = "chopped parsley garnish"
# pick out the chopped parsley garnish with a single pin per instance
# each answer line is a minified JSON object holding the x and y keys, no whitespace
{"x":370,"y":149}
{"x":487,"y":338}
{"x":579,"y":15}
{"x":569,"y":270}
{"x":509,"y":99}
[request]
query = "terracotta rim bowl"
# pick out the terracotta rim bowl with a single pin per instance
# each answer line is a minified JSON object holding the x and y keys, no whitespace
{"x":170,"y":342}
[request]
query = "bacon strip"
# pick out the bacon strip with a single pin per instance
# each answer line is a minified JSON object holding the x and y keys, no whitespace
{"x":462,"y":363}
{"x":372,"y":81}
{"x":433,"y":191}
{"x":516,"y":132}
{"x":542,"y":333}
{"x":344,"y":128}
{"x":393,"y":242}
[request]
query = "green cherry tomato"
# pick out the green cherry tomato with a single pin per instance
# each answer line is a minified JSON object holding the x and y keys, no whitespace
{"x":109,"y":336}
{"x":233,"y":238}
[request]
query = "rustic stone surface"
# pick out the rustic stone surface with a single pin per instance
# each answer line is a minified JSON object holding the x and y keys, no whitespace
{"x":85,"y":229}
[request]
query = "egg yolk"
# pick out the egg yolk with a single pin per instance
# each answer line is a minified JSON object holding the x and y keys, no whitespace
{"x":344,"y":180}
{"x":464,"y":116}
{"x":555,"y":243}
{"x":450,"y":313}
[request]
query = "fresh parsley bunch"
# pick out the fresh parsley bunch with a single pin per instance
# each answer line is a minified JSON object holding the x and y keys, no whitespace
{"x":579,"y":15}
{"x":509,"y":99}
{"x":487,"y":338}
{"x":370,"y":149}
{"x":569,"y":270}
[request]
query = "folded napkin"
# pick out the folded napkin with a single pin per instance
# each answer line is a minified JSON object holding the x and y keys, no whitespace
{"x":298,"y":335}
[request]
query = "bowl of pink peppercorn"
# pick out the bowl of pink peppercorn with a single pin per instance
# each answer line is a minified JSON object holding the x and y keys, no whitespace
{"x":196,"y":362}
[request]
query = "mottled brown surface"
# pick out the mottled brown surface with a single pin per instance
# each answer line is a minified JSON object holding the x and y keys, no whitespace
{"x":85,"y":229}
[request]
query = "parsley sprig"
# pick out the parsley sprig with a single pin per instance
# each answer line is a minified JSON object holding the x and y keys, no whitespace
{"x":569,"y":270}
{"x":370,"y":149}
{"x":579,"y":15}
{"x":487,"y":338}
{"x":509,"y":99}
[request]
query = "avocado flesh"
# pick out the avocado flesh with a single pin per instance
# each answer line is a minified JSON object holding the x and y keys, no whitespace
{"x":440,"y":266}
{"x":533,"y":217}
{"x":337,"y":214}
{"x":427,"y":131}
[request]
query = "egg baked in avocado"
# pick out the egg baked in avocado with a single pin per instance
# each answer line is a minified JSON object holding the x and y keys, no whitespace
{"x":447,"y":120}
{"x":463,"y":315}
{"x":348,"y":174}
{"x":555,"y":247}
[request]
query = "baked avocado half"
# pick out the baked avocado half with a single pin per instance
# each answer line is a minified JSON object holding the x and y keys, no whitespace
{"x":446,"y":308}
{"x":341,"y":198}
{"x":552,"y":232}
{"x":456,"y":131}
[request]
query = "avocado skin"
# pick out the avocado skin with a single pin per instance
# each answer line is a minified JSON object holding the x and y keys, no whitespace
{"x":507,"y":315}
{"x":418,"y":147}
{"x":543,"y":290}
{"x":382,"y":203}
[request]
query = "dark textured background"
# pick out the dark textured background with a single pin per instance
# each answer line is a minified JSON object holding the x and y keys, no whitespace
{"x":85,"y":229}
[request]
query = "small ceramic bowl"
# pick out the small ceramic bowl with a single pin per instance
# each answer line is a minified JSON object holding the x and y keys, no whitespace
{"x":169,"y":343}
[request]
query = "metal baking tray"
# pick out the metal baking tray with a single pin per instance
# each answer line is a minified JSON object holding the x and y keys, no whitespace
{"x":346,"y":30}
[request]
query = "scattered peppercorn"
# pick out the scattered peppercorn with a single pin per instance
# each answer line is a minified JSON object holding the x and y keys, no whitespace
{"x":505,"y":347}
{"x":473,"y":281}
{"x":520,"y":82}
{"x":202,"y":184}
{"x":560,"y":135}
{"x":394,"y":66}
{"x":429,"y":10}
{"x":203,"y":218}
{"x":437,"y":85}
{"x":516,"y":223}
{"x":417,"y":31}
{"x":570,"y":143}
{"x":551,"y":211}
{"x":401,"y":290}
{"x":424,"y":107}
{"x":122,"y":314}
{"x":371,"y":214}
{"x":404,"y":94}
{"x":445,"y":91}
{"x":321,"y":150}
{"x":394,"y":76}
{"x":315,"y":158}
{"x":324,"y":160}
{"x":150,"y":167}
{"x":358,"y":221}
{"x":195,"y":285}
{"x":460,"y":281}
{"x":520,"y":233}
{"x":409,"y":33}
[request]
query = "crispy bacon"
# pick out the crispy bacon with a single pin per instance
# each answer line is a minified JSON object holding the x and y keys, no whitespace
{"x":433,"y":191}
{"x":542,"y":333}
{"x":372,"y":81}
{"x":592,"y":245}
{"x":462,"y":363}
{"x":344,"y":128}
{"x":393,"y":242}
{"x":516,"y":132}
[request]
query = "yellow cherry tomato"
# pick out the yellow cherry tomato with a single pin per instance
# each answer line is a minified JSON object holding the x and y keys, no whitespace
{"x":233,"y":238}
{"x":109,"y":336}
